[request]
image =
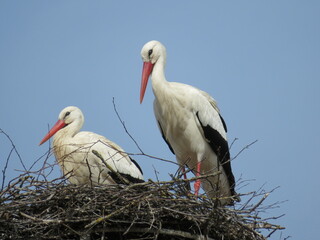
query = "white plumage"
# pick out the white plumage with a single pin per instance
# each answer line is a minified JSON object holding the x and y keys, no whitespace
{"x":73,"y":151}
{"x":190,"y":123}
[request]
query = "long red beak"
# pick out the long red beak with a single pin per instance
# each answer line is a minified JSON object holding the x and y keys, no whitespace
{"x":146,"y":71}
{"x":59,"y":124}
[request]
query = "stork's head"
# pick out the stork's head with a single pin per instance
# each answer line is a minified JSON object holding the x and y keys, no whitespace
{"x":152,"y":50}
{"x":71,"y":114}
{"x":151,"y":53}
{"x":70,"y":117}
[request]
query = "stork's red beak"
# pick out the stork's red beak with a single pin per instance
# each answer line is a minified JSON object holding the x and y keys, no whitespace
{"x":146,"y":71}
{"x":59,"y":124}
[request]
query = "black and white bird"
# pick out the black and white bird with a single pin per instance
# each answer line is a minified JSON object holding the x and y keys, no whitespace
{"x":191,"y":124}
{"x":73,"y":151}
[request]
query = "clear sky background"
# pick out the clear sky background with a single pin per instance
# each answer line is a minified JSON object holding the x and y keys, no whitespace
{"x":258,"y":59}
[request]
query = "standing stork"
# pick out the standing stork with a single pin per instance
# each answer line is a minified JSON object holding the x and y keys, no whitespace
{"x":191,"y":125}
{"x":74,"y":153}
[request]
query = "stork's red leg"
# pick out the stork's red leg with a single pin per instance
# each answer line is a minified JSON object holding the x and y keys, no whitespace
{"x":184,"y":172}
{"x":197,"y":183}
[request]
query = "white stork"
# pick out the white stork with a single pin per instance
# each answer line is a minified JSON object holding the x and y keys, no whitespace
{"x":191,"y":125}
{"x":73,"y":151}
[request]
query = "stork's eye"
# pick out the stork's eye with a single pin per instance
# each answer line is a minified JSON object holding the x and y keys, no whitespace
{"x":67,"y":114}
{"x":150,"y":52}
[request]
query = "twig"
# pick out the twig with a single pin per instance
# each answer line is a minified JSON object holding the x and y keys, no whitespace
{"x":153,"y":157}
{"x":7,"y":161}
{"x":40,"y":220}
{"x":124,"y":126}
{"x":5,"y":169}
{"x":244,"y":148}
{"x":259,"y":203}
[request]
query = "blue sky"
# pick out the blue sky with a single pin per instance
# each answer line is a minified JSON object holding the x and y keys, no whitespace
{"x":258,"y":59}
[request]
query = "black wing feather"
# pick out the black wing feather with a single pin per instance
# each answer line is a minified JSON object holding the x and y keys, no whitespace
{"x":137,"y":165}
{"x":223,"y":123}
{"x":131,"y":179}
{"x":164,"y":138}
{"x":220,"y":146}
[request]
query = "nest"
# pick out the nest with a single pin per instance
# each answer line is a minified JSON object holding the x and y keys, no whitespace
{"x":38,"y":209}
{"x":34,"y":207}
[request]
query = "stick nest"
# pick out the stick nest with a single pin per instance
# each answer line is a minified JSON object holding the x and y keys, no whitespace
{"x":41,"y":209}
